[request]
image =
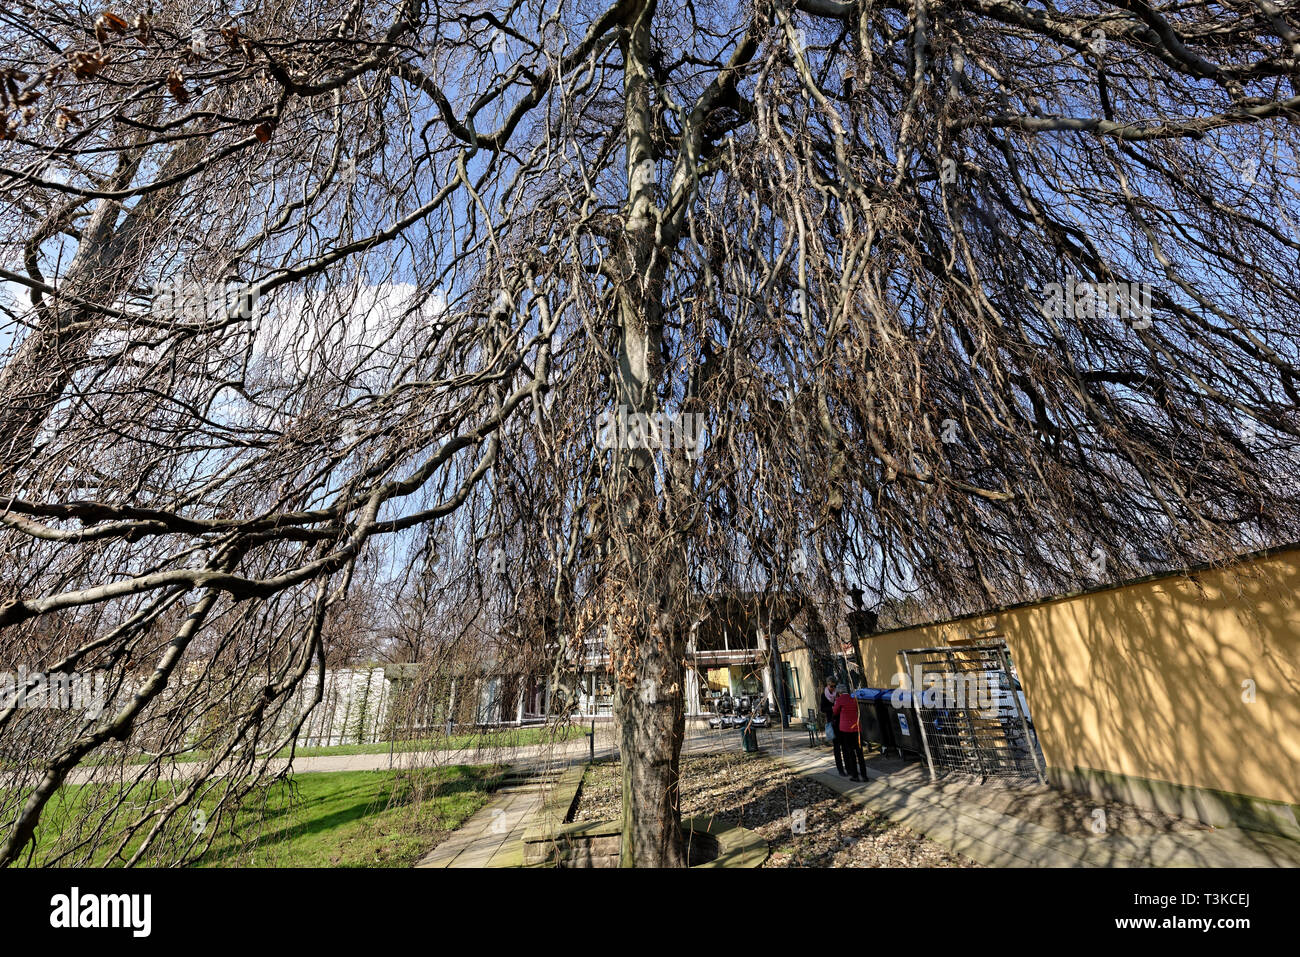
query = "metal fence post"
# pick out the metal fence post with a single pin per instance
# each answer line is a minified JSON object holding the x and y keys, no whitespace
{"x":920,"y":719}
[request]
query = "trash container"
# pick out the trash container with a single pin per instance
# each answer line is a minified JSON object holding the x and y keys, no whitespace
{"x":748,"y":736}
{"x":904,"y":723}
{"x":873,"y":716}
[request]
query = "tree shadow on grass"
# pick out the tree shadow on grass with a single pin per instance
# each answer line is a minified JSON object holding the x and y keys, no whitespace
{"x":356,"y":801}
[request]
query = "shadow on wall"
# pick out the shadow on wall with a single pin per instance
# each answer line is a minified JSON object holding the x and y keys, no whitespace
{"x":1190,"y":680}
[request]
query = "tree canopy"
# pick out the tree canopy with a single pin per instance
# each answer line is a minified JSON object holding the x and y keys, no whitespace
{"x":565,"y":314}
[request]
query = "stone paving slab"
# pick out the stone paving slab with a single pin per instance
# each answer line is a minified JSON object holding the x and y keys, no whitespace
{"x":1002,"y":840}
{"x":488,"y":835}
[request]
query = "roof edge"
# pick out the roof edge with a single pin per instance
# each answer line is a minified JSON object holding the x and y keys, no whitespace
{"x":1263,"y":553}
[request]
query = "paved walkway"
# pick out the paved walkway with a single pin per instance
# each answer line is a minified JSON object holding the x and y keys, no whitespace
{"x":698,"y":738}
{"x":492,"y":835}
{"x":1002,"y":840}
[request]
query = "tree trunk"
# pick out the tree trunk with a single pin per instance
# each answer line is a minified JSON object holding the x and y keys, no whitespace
{"x":32,"y":383}
{"x":110,"y":248}
{"x":650,"y":706}
{"x":652,"y":723}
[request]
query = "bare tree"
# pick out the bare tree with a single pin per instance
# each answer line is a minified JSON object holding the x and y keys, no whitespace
{"x":973,"y":301}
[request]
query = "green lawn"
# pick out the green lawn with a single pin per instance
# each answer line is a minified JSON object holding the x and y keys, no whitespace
{"x":357,"y":819}
{"x":338,"y":819}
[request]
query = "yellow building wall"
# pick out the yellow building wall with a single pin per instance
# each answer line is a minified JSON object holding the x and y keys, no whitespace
{"x":806,"y":701}
{"x":1150,"y":680}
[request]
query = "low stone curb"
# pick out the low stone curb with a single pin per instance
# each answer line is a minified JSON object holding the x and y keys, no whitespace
{"x":557,"y":807}
{"x":597,"y":843}
{"x":737,"y":846}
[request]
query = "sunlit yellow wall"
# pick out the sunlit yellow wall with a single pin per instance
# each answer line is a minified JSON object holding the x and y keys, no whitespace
{"x":1147,"y":680}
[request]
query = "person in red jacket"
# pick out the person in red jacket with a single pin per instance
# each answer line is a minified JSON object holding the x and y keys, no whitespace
{"x":846,"y":727}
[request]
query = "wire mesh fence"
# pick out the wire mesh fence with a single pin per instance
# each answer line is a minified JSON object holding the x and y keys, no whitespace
{"x":974,"y":719}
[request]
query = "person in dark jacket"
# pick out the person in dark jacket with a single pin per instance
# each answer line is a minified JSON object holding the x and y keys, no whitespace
{"x":847,"y":732}
{"x":828,"y":707}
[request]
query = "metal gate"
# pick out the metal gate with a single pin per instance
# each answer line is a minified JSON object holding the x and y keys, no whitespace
{"x":973,"y":718}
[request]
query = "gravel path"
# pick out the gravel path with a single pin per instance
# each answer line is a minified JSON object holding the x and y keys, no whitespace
{"x":761,"y":794}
